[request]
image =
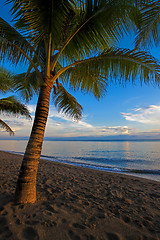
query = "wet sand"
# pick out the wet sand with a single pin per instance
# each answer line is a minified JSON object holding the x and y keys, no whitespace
{"x":77,"y":203}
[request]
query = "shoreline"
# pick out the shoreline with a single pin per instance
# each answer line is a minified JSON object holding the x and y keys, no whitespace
{"x":131,"y":173}
{"x":79,"y":203}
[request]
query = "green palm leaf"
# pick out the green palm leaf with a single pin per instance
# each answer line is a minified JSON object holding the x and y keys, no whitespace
{"x":6,"y":80}
{"x":148,"y":25}
{"x":121,"y":65}
{"x":6,"y":127}
{"x":27,"y":84}
{"x":97,"y":25}
{"x":13,"y":45}
{"x":11,"y":105}
{"x":67,"y":103}
{"x":39,"y":19}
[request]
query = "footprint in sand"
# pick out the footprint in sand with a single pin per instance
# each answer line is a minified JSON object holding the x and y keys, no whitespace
{"x":77,"y":225}
{"x":31,"y":222}
{"x":30,"y":233}
{"x":51,"y":209}
{"x":73,"y":236}
{"x":1,"y":209}
{"x":126,"y":219}
{"x":100,"y":215}
{"x":112,"y":236}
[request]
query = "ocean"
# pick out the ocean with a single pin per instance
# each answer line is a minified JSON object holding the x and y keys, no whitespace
{"x":137,"y":158}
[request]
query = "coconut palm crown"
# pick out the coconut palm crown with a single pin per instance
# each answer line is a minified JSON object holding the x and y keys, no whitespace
{"x":68,"y":42}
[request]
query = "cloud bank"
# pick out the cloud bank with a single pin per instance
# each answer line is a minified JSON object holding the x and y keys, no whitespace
{"x":147,"y":115}
{"x":60,"y":125}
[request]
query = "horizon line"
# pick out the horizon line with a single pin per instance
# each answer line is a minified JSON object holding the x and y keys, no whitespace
{"x":83,"y":139}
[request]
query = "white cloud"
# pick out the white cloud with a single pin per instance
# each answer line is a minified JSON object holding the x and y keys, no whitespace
{"x":59,"y":125}
{"x":82,"y":128}
{"x":118,"y":129}
{"x":20,"y":126}
{"x":148,"y":115}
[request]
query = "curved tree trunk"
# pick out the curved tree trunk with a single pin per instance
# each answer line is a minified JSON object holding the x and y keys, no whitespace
{"x":26,"y":184}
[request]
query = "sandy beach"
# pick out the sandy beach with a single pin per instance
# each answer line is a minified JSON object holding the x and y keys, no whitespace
{"x":77,"y":203}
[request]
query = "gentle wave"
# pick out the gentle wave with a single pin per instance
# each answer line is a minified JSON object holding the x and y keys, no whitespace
{"x":104,"y":167}
{"x":110,"y":160}
{"x":101,"y":167}
{"x":140,"y":159}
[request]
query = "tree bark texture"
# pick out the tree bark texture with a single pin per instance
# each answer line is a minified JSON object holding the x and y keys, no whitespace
{"x":26,"y":184}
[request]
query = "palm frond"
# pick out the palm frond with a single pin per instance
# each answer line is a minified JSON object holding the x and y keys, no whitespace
{"x":12,"y":44}
{"x":38,"y":19}
{"x":11,"y":105}
{"x":94,"y":74}
{"x":99,"y":25}
{"x":148,"y":25}
{"x":6,"y":127}
{"x":27,"y":84}
{"x":6,"y":80}
{"x":67,"y":103}
{"x":85,"y":78}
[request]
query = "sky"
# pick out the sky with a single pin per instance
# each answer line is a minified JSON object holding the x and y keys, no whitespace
{"x":130,"y":112}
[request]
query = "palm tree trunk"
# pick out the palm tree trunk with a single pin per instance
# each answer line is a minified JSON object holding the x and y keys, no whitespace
{"x":26,"y":184}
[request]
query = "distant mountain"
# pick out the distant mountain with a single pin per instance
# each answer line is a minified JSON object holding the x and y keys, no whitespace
{"x":94,"y":138}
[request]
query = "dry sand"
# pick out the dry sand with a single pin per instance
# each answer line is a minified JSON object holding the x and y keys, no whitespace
{"x":77,"y":203}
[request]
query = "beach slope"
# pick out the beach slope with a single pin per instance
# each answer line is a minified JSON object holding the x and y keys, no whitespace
{"x":77,"y":203}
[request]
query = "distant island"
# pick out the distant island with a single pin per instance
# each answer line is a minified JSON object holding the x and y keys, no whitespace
{"x":91,"y":138}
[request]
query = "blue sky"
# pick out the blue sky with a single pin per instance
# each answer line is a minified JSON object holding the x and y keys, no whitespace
{"x":125,"y":112}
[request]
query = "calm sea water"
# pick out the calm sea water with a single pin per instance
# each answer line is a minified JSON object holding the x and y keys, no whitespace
{"x":136,"y":158}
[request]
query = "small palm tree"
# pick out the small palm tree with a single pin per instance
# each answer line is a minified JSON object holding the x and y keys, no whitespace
{"x":68,"y":42}
{"x":10,"y":105}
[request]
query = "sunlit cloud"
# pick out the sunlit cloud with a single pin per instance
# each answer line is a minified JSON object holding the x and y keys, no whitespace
{"x":118,"y":129}
{"x":53,"y":114}
{"x":148,"y":115}
{"x":71,"y":128}
{"x":21,"y":126}
{"x":60,"y":125}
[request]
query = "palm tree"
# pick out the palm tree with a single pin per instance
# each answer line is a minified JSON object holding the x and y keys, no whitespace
{"x":10,"y":105}
{"x":68,"y":42}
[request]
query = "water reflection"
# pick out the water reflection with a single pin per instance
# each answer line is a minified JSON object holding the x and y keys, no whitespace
{"x":120,"y":155}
